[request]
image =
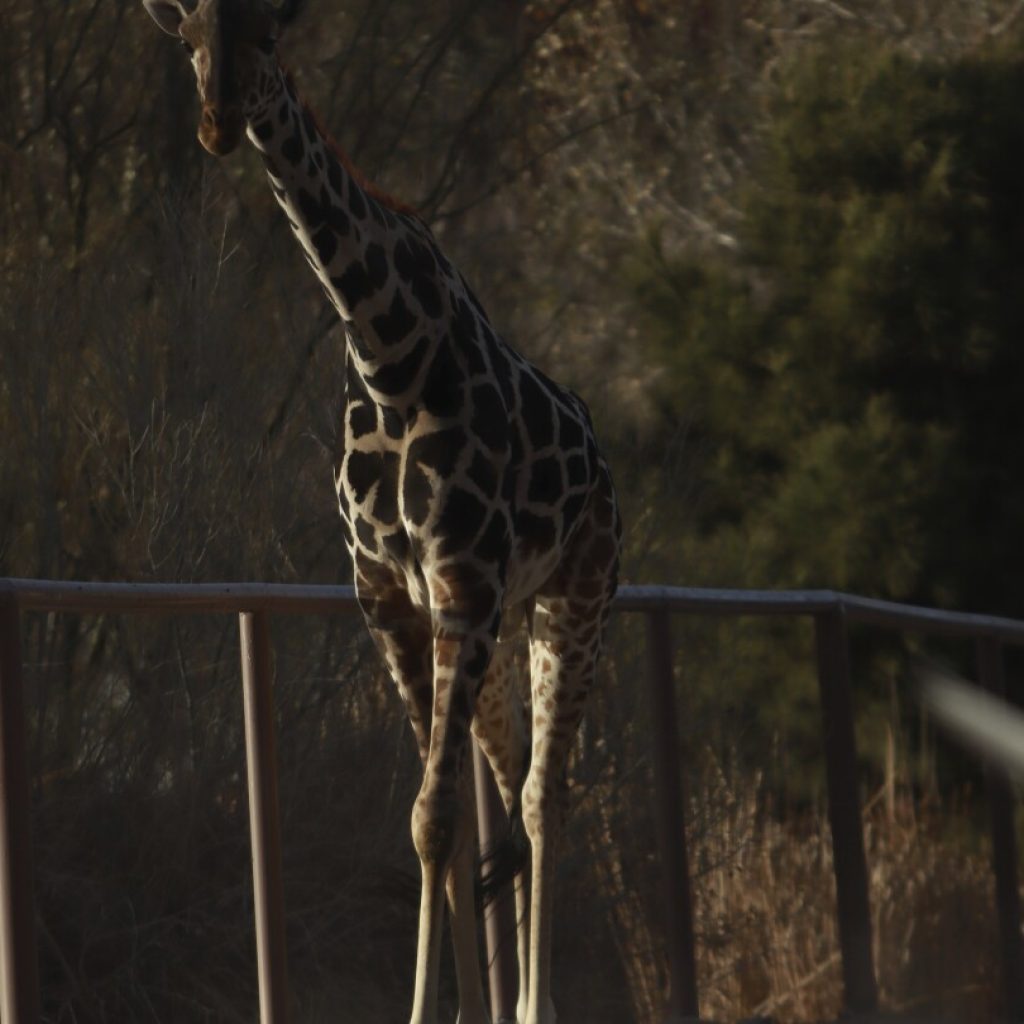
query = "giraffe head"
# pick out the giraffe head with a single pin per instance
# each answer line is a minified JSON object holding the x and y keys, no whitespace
{"x":231,"y":44}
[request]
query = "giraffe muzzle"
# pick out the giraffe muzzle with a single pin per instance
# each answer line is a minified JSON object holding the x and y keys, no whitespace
{"x":220,"y":131}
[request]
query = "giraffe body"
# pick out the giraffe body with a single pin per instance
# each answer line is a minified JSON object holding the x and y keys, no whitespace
{"x":472,"y":495}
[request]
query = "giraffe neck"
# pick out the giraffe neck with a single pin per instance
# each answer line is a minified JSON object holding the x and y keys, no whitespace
{"x":375,"y":260}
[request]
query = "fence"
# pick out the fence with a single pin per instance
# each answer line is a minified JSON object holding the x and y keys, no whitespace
{"x":254,"y":603}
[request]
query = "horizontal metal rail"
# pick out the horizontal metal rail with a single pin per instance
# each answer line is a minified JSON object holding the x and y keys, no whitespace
{"x":299,"y":599}
{"x":179,"y":598}
{"x":830,"y":611}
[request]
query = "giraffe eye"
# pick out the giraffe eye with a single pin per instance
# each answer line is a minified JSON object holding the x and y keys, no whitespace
{"x":188,"y":47}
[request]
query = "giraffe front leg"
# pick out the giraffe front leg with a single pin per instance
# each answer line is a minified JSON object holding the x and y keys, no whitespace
{"x":405,"y":638}
{"x":442,"y":824}
{"x":462,"y":914}
{"x":462,"y":921}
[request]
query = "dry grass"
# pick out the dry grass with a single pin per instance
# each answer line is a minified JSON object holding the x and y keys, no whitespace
{"x":143,"y":862}
{"x":765,"y":919}
{"x":765,"y":915}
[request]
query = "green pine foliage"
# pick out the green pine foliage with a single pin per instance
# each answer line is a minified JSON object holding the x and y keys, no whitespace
{"x":852,"y":372}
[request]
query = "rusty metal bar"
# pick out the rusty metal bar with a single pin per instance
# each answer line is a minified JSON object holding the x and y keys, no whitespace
{"x":1004,"y":846}
{"x":500,"y":915}
{"x":264,"y":820}
{"x":852,"y":903}
{"x":19,"y":972}
{"x":683,"y":999}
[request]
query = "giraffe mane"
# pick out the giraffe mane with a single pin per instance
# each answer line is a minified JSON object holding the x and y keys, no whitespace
{"x":369,"y":188}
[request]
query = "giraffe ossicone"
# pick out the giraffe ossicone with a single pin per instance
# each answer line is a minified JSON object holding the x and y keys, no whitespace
{"x":473,"y":499}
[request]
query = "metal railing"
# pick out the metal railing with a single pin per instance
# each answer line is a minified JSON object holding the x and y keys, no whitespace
{"x":830,"y":612}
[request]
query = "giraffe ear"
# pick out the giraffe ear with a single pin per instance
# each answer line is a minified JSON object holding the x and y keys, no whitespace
{"x":168,"y":14}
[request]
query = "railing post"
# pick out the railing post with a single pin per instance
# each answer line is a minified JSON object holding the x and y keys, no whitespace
{"x":668,"y":785}
{"x":500,"y":915}
{"x":1004,"y":845}
{"x":844,"y":812}
{"x":264,"y":821}
{"x":19,"y":972}
{"x":18,"y":956}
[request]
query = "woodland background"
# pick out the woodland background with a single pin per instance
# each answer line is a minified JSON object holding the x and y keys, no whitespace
{"x":779,"y":247}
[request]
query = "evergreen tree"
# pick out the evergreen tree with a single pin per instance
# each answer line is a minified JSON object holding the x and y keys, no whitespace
{"x":853,"y":375}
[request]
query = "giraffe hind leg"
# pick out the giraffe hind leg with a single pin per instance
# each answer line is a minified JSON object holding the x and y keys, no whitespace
{"x":500,"y":728}
{"x":499,"y":725}
{"x":462,"y":649}
{"x":567,"y":628}
{"x":462,"y":915}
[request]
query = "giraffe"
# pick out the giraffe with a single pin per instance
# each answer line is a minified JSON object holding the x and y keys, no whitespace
{"x":474,"y":501}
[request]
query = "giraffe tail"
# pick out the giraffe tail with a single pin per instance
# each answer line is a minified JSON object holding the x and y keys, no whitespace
{"x":508,"y":857}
